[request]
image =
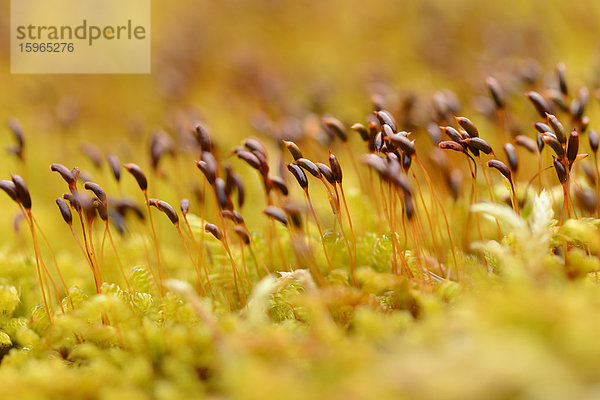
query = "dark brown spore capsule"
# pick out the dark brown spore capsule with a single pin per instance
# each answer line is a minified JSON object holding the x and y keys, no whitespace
{"x":468,"y":126}
{"x":551,"y":141}
{"x":250,"y":158}
{"x":409,"y":207}
{"x":65,"y":173}
{"x":97,"y":190}
{"x":335,"y":128}
{"x":279,"y":183}
{"x":241,"y":191}
{"x":540,"y":142}
{"x":214,"y":230}
{"x":184,"y":206}
{"x":309,"y":166}
{"x":102,"y":209}
{"x":202,"y":138}
{"x":138,"y":174}
{"x":593,"y":139}
{"x":299,"y":175}
{"x":73,"y":200}
{"x":477,"y":143}
{"x":22,"y":191}
{"x":562,"y":81}
{"x":511,"y":155}
{"x":169,"y":211}
{"x":10,"y":189}
{"x":326,"y":172}
{"x":526,"y":142}
{"x":385,"y":118}
{"x":336,"y":168}
{"x":453,"y":134}
{"x":451,"y":145}
{"x":561,"y":171}
{"x":293,"y":149}
{"x":406,"y":145}
{"x":540,"y":104}
{"x":501,"y":167}
{"x":542,"y":127}
{"x":558,"y":128}
{"x":255,"y":145}
{"x":377,"y":163}
{"x":277,"y":214}
{"x":115,"y":166}
{"x":165,"y":208}
{"x":573,"y":147}
{"x":362,"y":131}
{"x":222,"y":197}
{"x":242,"y":234}
{"x":65,"y":211}
{"x":495,"y":92}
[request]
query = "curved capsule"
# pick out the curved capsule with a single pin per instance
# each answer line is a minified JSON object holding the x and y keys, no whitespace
{"x":250,"y":158}
{"x":336,"y":168}
{"x":279,"y":183}
{"x":376,"y":162}
{"x":65,"y":173}
{"x":540,"y":104}
{"x":255,"y":145}
{"x":138,"y":174}
{"x":214,"y":230}
{"x":557,"y":128}
{"x":299,"y":175}
{"x":115,"y":166}
{"x":385,"y":118}
{"x":169,"y":211}
{"x":551,"y":141}
{"x":10,"y":189}
{"x":562,"y":81}
{"x":335,"y":128}
{"x":526,"y":142}
{"x":223,"y":199}
{"x":478,"y":143}
{"x":97,"y":190}
{"x":241,"y":191}
{"x":73,"y":200}
{"x":293,"y":149}
{"x":451,"y":145}
{"x":362,"y":131}
{"x":495,"y":92}
{"x":326,"y":172}
{"x":542,"y":127}
{"x":202,"y":138}
{"x":101,"y":208}
{"x":406,"y":145}
{"x":573,"y":147}
{"x":468,"y":126}
{"x":501,"y":167}
{"x":561,"y":171}
{"x":452,"y":133}
{"x":65,"y":211}
{"x":511,"y":155}
{"x":242,"y":234}
{"x":22,"y":191}
{"x":277,"y":214}
{"x":309,"y":166}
